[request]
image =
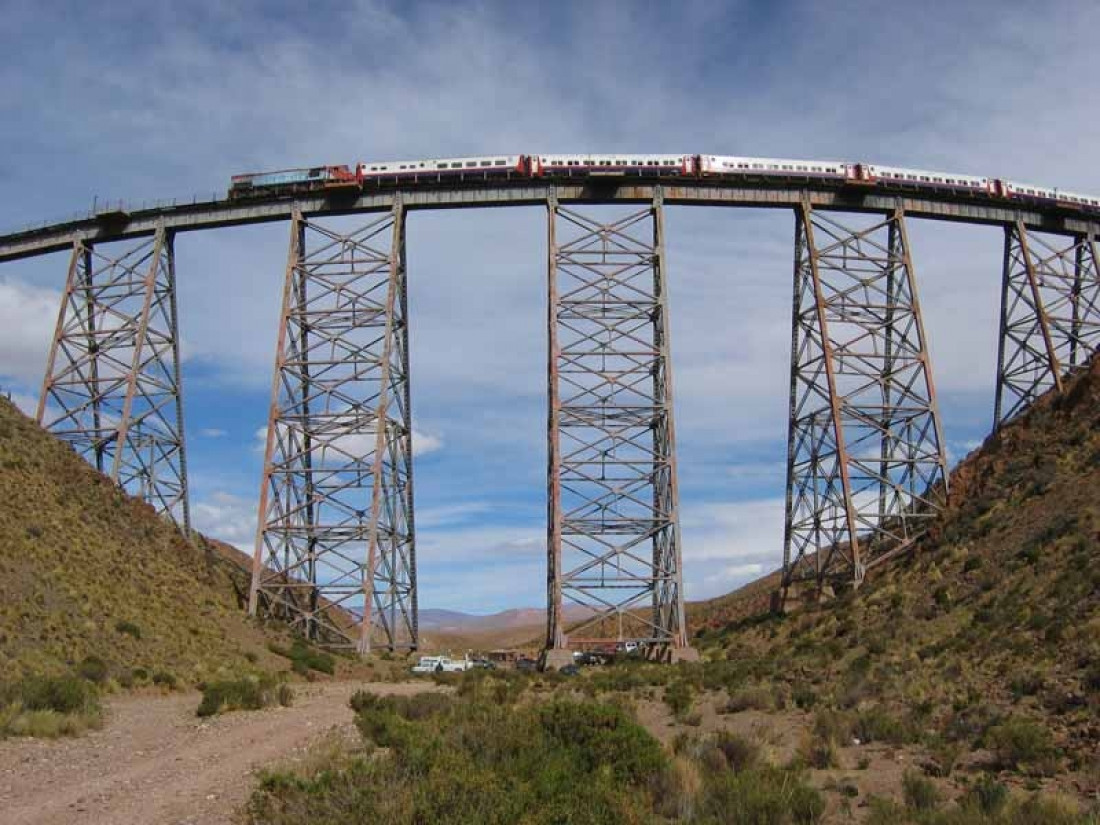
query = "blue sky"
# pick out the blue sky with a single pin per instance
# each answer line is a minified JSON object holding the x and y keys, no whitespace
{"x":169,"y":100}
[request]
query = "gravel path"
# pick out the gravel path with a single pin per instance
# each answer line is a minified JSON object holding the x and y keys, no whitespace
{"x":156,"y":762}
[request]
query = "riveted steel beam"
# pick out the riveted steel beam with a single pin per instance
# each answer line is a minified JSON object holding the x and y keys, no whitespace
{"x":866,"y":466}
{"x":112,"y":386}
{"x":335,"y":542}
{"x":613,"y":538}
{"x":1050,"y":315}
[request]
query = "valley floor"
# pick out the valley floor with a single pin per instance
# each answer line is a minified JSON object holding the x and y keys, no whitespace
{"x":156,"y":762}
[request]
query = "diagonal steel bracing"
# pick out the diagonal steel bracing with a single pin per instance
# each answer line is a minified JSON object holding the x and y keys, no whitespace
{"x":112,"y":387}
{"x":1050,"y":315}
{"x":866,"y":464}
{"x":335,"y":543}
{"x":613,"y":522}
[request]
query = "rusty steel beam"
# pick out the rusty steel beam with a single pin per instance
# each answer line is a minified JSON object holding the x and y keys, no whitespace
{"x":613,"y":538}
{"x":112,"y":387}
{"x":1050,"y":315}
{"x":335,"y":540}
{"x":866,"y":464}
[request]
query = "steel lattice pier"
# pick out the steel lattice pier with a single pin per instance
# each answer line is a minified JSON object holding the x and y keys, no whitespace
{"x":1050,"y":315}
{"x":866,"y":463}
{"x":613,"y":521}
{"x":112,"y":385}
{"x":335,"y":544}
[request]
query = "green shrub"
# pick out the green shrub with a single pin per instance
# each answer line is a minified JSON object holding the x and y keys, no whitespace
{"x":62,"y":694}
{"x":679,"y":698}
{"x":248,"y":693}
{"x":49,"y":706}
{"x":919,"y":792}
{"x":741,"y":754}
{"x":129,"y":628}
{"x":305,"y":658}
{"x":754,"y":698}
{"x":1021,"y":743}
{"x":879,"y":725}
{"x":762,"y":796}
{"x":987,"y":795}
{"x":93,"y":669}
{"x":165,"y":679}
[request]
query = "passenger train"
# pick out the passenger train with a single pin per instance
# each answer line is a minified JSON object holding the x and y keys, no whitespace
{"x":371,"y":174}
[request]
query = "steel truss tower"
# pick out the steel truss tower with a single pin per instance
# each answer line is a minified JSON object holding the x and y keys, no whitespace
{"x":335,"y":543}
{"x":1050,"y":315}
{"x":865,"y":463}
{"x":613,"y":520}
{"x":112,"y":387}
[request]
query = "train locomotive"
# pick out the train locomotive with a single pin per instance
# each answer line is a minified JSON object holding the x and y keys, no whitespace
{"x":376,"y":174}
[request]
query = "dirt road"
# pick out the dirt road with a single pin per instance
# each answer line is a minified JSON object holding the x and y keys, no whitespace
{"x":154,"y":762}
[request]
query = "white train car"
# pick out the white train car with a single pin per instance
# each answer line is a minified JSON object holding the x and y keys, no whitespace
{"x":729,"y":165}
{"x":924,"y":178}
{"x":621,"y":164}
{"x":1077,"y":199}
{"x":437,"y":167}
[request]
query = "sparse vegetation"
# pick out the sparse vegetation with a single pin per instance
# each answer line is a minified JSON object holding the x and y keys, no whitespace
{"x":253,"y":692}
{"x":305,"y":658}
{"x":49,"y":706}
{"x":477,"y":759}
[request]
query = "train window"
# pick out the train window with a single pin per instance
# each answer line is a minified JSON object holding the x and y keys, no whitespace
{"x":502,"y":163}
{"x":441,"y":166}
{"x":456,"y":165}
{"x":471,"y":163}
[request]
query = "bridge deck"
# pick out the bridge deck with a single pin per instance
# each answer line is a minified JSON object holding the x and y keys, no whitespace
{"x":119,"y":225}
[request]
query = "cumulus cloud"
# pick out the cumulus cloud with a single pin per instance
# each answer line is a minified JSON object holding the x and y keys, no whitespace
{"x":28,"y":316}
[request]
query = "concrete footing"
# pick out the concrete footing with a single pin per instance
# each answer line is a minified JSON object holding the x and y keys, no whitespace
{"x":682,"y":654}
{"x":555,"y":658}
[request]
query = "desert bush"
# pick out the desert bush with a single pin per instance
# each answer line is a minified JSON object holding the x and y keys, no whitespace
{"x":128,"y":628}
{"x":920,"y":792}
{"x":49,"y":707}
{"x":165,"y":679}
{"x":741,"y":754}
{"x":305,"y":658}
{"x":92,"y":668}
{"x":1021,"y":743}
{"x":879,"y":725}
{"x":765,"y":796}
{"x":246,"y":693}
{"x":986,"y":795}
{"x":679,"y":697}
{"x":752,"y":698}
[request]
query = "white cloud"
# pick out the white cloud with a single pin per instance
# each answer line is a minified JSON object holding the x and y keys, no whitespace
{"x":213,"y":432}
{"x":28,"y":317}
{"x":228,"y":517}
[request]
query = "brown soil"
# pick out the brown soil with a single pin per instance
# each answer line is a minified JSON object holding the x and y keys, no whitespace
{"x":156,"y":762}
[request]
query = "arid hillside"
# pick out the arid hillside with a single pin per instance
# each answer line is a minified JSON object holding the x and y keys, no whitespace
{"x":986,"y":637}
{"x":85,"y":570}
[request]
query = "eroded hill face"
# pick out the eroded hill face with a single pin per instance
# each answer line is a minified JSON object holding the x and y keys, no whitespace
{"x":86,"y":570}
{"x":994,"y":619}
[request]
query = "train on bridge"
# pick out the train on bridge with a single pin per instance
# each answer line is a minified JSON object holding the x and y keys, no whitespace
{"x":720,"y":168}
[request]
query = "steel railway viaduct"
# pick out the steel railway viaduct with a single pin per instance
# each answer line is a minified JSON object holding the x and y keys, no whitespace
{"x":335,"y":542}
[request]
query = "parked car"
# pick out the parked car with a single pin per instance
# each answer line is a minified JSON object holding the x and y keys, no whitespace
{"x":570,"y":670}
{"x":527,"y":665}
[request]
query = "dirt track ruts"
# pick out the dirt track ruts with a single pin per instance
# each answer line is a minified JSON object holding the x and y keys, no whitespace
{"x":156,"y":762}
